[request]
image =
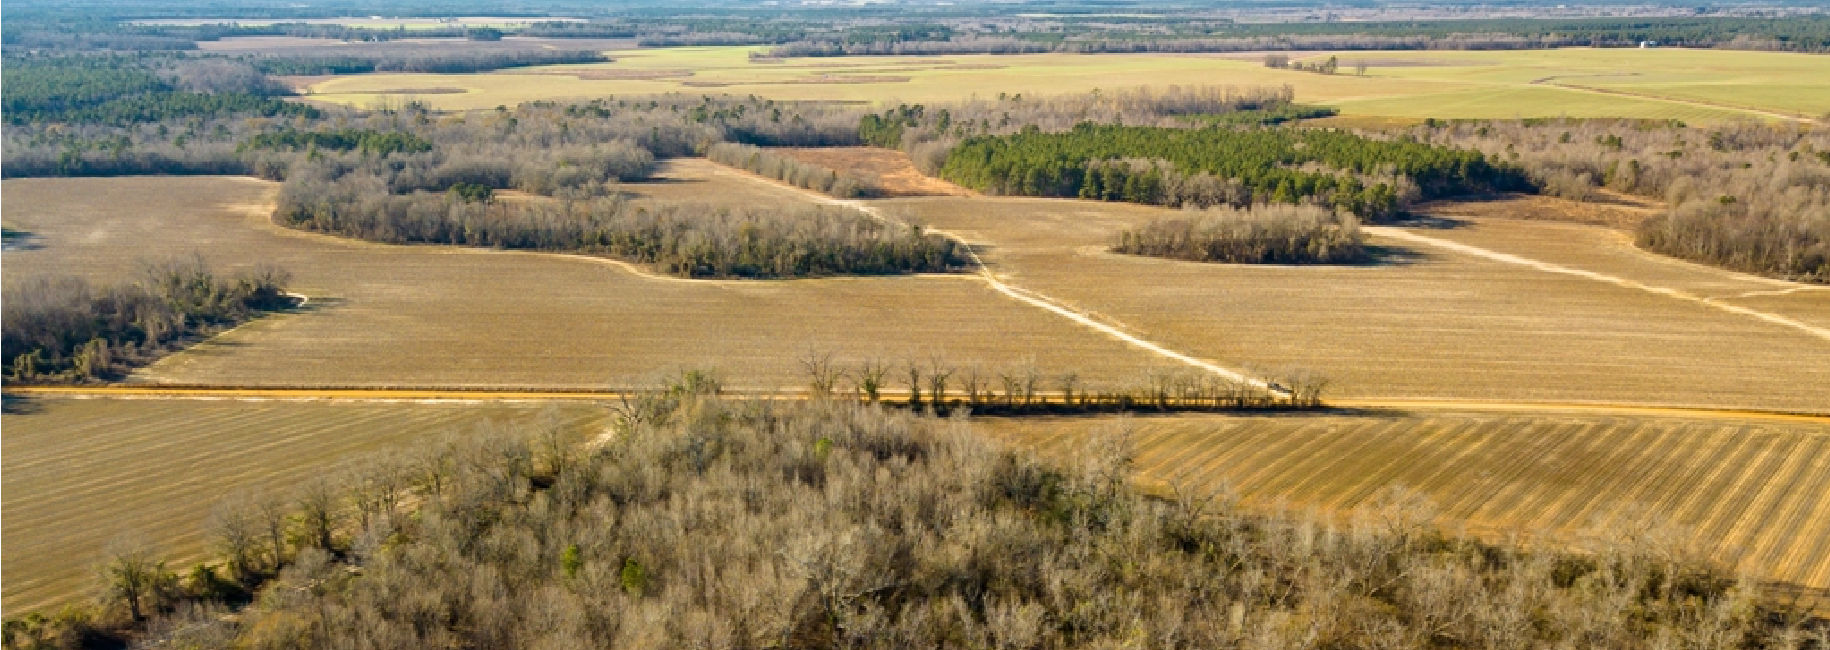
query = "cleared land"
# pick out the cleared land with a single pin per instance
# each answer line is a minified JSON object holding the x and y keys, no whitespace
{"x":437,"y":316}
{"x":1689,"y":85}
{"x":78,"y":472}
{"x":892,"y":170}
{"x":1750,"y":493}
{"x":1426,"y":321}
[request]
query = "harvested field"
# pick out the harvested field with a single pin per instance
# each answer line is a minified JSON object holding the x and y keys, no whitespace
{"x":1695,"y":86}
{"x":78,"y":472}
{"x":894,"y":172}
{"x":434,"y":316}
{"x":1427,"y":321}
{"x":1748,"y":492}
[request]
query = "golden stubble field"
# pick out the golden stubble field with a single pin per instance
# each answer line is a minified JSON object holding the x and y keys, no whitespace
{"x":78,"y":472}
{"x":1752,"y":493}
{"x":440,"y":316}
{"x":1691,"y":85}
{"x":1429,"y":321}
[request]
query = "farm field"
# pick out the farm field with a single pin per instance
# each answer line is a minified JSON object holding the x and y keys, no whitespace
{"x":435,"y":316}
{"x":1694,"y":86}
{"x":78,"y":472}
{"x":1751,"y":493}
{"x":370,"y":22}
{"x":1428,"y":321}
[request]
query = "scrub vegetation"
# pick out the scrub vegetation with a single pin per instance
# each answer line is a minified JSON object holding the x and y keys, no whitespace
{"x":835,"y":524}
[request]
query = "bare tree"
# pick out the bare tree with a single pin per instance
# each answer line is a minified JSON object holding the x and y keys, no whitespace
{"x":870,"y":378}
{"x":235,"y":527}
{"x":319,"y":501}
{"x":133,"y":574}
{"x":822,"y":375}
{"x":938,"y":372}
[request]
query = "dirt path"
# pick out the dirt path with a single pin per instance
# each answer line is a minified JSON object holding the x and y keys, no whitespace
{"x":1405,"y":235}
{"x":1023,"y":295}
{"x":1551,"y":82}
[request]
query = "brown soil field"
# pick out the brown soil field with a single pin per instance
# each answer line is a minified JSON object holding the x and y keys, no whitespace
{"x":1428,"y":321}
{"x":78,"y":472}
{"x":384,"y":315}
{"x":1605,"y":209}
{"x":1755,"y":494}
{"x":895,"y":173}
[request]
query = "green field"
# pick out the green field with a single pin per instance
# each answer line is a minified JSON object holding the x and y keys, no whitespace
{"x":1690,"y":85}
{"x":78,"y":472}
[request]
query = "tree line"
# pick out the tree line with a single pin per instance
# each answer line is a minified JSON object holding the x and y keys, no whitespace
{"x":123,"y":90}
{"x":1260,"y":234}
{"x":1357,"y":174}
{"x":688,"y":240}
{"x":65,"y":330}
{"x":1747,"y":196}
{"x":1113,"y":35}
{"x":937,"y":386}
{"x":707,"y":522}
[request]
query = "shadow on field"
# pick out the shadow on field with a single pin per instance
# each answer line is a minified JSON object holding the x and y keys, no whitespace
{"x":18,"y":240}
{"x":316,"y":305}
{"x":19,"y":405}
{"x":1427,"y":222}
{"x":1390,"y":256}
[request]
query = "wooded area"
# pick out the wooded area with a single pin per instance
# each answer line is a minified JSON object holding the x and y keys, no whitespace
{"x":833,"y":524}
{"x":63,"y":329}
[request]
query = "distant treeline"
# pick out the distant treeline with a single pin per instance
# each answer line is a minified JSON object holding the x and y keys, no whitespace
{"x":844,"y":185}
{"x":688,"y":240}
{"x":1261,"y":234}
{"x":1215,"y":166}
{"x":123,"y":90}
{"x":456,"y":61}
{"x":1809,"y":33}
{"x":62,"y":329}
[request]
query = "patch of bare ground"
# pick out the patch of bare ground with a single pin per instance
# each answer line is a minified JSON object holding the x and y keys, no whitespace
{"x":78,"y":472}
{"x":384,"y":315}
{"x":1747,"y":493}
{"x":603,"y":74}
{"x":419,"y":91}
{"x":1426,"y":320}
{"x":894,"y":172}
{"x":1604,"y":208}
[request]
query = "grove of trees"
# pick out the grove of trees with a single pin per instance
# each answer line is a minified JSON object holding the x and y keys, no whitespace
{"x":63,"y":329}
{"x":1748,"y":196}
{"x":1260,"y":234}
{"x":1209,"y":166}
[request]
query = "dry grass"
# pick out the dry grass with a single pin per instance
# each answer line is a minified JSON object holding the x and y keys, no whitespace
{"x":1427,"y":322}
{"x":1694,"y":86}
{"x":78,"y":472}
{"x":894,"y":172}
{"x":437,"y":316}
{"x":1746,"y":492}
{"x":1609,"y":209}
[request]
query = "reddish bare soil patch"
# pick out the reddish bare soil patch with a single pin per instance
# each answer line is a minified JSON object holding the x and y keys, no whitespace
{"x":895,"y":173}
{"x":1610,"y":209}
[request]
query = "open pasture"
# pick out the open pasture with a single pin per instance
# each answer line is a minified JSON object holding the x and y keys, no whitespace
{"x":384,"y":315}
{"x":1694,"y":86}
{"x":78,"y":472}
{"x":1427,"y":320}
{"x":1751,"y":493}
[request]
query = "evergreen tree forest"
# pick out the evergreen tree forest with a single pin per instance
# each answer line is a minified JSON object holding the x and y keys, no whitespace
{"x":1351,"y":173}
